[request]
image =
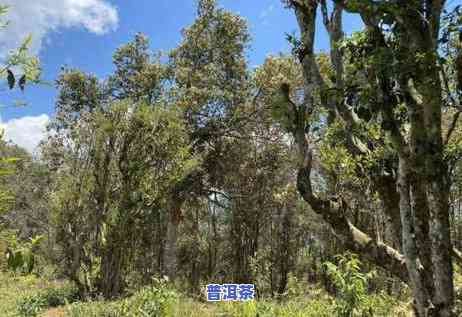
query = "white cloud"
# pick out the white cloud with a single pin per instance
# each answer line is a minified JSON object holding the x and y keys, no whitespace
{"x":39,"y":17}
{"x":27,"y":132}
{"x":267,"y":11}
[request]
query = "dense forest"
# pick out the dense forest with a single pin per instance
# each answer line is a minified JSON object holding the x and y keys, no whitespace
{"x":332,"y":181}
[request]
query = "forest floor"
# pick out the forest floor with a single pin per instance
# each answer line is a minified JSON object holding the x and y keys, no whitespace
{"x":29,"y":296}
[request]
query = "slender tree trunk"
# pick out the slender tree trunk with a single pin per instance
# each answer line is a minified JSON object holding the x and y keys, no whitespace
{"x":195,"y":262}
{"x":170,"y":252}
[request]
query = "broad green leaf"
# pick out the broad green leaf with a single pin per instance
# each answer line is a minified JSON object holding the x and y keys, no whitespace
{"x":11,"y":79}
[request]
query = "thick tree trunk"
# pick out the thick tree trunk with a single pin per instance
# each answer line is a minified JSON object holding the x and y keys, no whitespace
{"x":332,"y":212}
{"x":414,"y":266}
{"x":118,"y":249}
{"x":422,"y":198}
{"x":111,"y":282}
{"x":192,"y":183}
{"x":438,"y":199}
{"x":352,"y":238}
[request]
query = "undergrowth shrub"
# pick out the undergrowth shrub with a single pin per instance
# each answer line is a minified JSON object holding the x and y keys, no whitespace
{"x":158,"y":300}
{"x":33,"y":305}
{"x":161,"y":300}
{"x":353,"y":299}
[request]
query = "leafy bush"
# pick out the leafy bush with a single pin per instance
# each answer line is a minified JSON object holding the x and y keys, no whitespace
{"x":352,"y":295}
{"x":22,"y":259}
{"x":32,"y":305}
{"x":158,"y":300}
{"x":7,"y":238}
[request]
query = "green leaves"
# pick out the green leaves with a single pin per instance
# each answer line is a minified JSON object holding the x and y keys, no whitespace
{"x":35,"y":304}
{"x":351,"y":283}
{"x":11,"y":79}
{"x":22,"y":258}
{"x":210,"y":68}
{"x":22,"y":82}
{"x":35,"y":241}
{"x":3,"y":11}
{"x":29,"y":65}
{"x":277,"y":73}
{"x":296,"y":43}
{"x":280,"y":111}
{"x":134,"y":155}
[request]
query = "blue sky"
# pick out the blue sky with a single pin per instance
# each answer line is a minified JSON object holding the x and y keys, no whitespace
{"x":85,"y":33}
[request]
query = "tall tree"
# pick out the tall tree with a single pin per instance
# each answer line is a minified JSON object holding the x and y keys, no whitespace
{"x":117,"y":150}
{"x":211,"y":86}
{"x":17,"y":70}
{"x":397,"y":80}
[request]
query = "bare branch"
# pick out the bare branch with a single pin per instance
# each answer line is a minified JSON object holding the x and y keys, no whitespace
{"x":452,"y":126}
{"x":325,"y":14}
{"x":357,"y":241}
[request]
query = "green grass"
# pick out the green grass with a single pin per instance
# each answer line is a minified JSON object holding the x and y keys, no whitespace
{"x":167,"y":303}
{"x":190,"y":308}
{"x":12,"y":288}
{"x":22,"y":295}
{"x":297,"y":307}
{"x":161,"y":301}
